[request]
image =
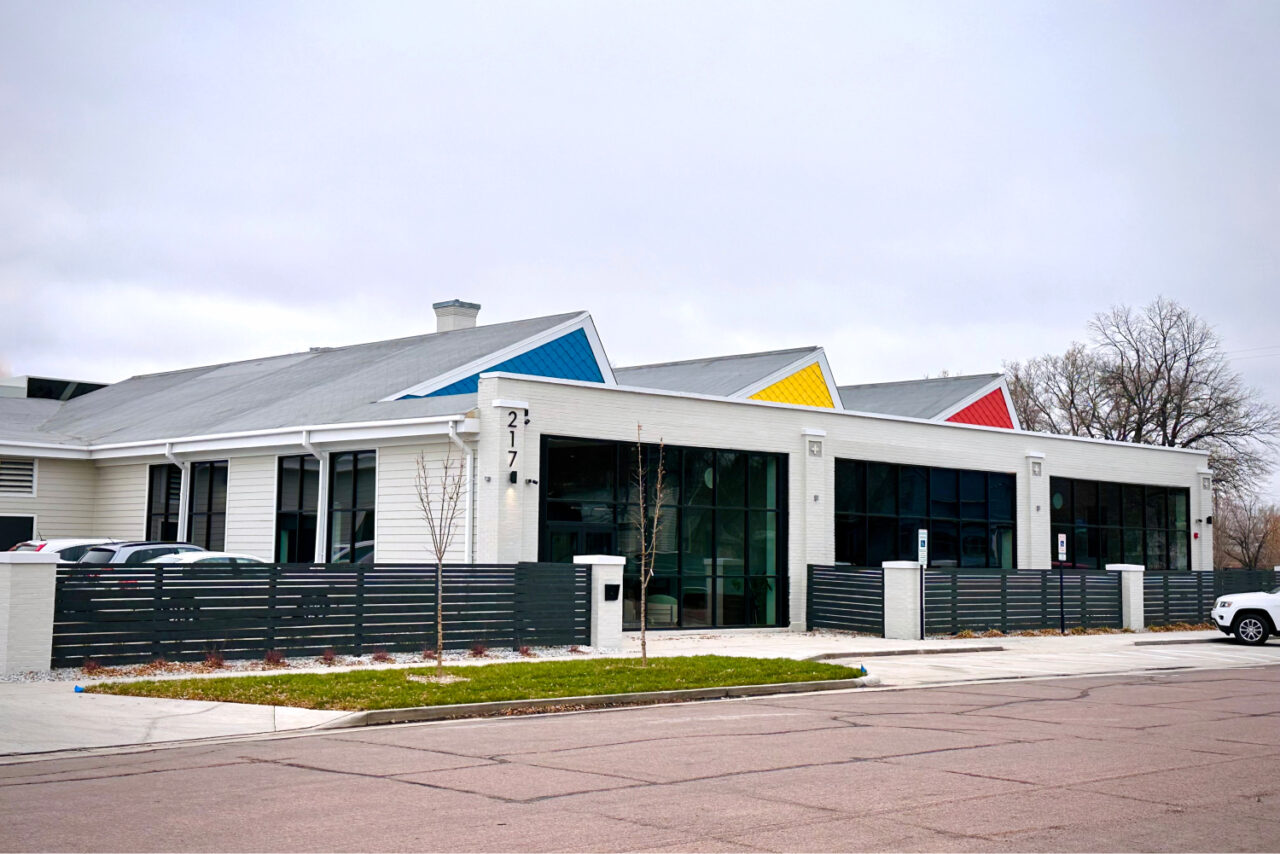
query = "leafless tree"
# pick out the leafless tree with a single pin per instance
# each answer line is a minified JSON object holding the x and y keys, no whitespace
{"x":1156,"y":376}
{"x":440,"y":490}
{"x":648,"y":527}
{"x":1246,"y":532}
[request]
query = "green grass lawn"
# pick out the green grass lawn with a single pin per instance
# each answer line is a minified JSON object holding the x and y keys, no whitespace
{"x":392,"y":689}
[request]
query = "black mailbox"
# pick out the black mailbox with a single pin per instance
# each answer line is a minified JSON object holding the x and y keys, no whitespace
{"x":611,"y":592}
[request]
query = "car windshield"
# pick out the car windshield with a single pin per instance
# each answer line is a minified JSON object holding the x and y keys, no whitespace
{"x":71,"y":554}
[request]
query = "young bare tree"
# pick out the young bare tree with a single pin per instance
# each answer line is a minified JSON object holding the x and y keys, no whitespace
{"x":648,"y":528}
{"x":1157,"y":376}
{"x":440,"y":491}
{"x":1246,"y":532}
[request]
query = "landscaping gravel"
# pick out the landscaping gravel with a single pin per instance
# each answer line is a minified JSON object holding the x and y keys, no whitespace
{"x":306,"y":664}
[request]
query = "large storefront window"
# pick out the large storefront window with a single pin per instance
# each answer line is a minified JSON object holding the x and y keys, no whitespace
{"x":164,"y":491}
{"x":297,"y":495}
{"x":880,"y":507}
{"x":1120,"y":523}
{"x":207,"y":514}
{"x":352,"y":488}
{"x":721,"y":552}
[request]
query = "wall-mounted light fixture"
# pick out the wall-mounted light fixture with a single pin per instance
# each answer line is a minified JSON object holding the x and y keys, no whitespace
{"x":515,"y":478}
{"x":1037,"y":468}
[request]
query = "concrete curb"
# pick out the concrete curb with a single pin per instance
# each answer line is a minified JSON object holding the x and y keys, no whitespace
{"x":1223,"y":639}
{"x":418,"y":714}
{"x":832,"y":655}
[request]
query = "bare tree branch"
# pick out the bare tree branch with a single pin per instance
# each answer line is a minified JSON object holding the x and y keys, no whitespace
{"x":1156,"y":376}
{"x":440,"y":502}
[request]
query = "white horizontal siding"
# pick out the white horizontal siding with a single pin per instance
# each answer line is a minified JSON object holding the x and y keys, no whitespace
{"x":402,"y":533}
{"x":62,"y":502}
{"x":251,"y":505}
{"x":120,"y":502}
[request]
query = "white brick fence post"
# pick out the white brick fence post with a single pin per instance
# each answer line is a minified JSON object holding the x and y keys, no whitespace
{"x":27,"y":583}
{"x":606,"y":599}
{"x":1132,"y":606}
{"x":902,"y":580}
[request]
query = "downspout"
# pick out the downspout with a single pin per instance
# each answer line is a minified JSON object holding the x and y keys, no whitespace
{"x":322,"y":498}
{"x":469,"y":456}
{"x":184,"y":489}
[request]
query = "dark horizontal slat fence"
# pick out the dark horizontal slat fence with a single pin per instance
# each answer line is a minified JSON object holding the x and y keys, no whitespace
{"x":1177,"y":597}
{"x":1187,"y":597}
{"x":133,"y":614}
{"x":849,"y":598}
{"x":1020,"y":600}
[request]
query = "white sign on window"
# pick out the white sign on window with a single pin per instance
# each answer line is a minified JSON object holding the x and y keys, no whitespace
{"x":1062,"y":548}
{"x":923,"y":540}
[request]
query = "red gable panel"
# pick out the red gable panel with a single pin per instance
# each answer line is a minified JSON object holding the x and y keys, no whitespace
{"x":988,"y":411}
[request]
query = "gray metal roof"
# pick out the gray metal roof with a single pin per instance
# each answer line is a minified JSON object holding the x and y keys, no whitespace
{"x":719,"y":375}
{"x":323,"y":386}
{"x":21,"y":417}
{"x":913,"y":398}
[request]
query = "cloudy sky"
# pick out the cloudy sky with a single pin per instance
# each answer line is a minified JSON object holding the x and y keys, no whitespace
{"x":915,"y":186}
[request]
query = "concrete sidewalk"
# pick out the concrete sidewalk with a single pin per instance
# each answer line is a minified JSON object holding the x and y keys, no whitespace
{"x":43,"y":717}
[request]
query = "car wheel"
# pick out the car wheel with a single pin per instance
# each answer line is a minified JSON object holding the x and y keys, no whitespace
{"x":1251,"y":629}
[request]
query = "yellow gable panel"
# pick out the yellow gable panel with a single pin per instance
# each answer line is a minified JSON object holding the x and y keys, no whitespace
{"x":806,"y":386}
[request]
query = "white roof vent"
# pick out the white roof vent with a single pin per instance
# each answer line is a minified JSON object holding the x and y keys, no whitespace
{"x":455,"y":314}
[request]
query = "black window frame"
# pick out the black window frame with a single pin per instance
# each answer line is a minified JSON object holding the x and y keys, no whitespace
{"x":717,"y":589}
{"x":215,"y":536}
{"x":864,"y":537}
{"x":296,"y":518}
{"x":164,"y":501}
{"x":1115,"y":539}
{"x":353,"y":511}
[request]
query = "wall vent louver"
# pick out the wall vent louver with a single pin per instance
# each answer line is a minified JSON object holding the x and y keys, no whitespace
{"x":17,"y":477}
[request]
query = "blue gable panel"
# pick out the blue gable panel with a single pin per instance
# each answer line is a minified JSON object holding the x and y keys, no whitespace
{"x":568,"y":357}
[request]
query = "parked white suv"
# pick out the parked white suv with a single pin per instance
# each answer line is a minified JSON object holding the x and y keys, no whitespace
{"x":1251,"y":617}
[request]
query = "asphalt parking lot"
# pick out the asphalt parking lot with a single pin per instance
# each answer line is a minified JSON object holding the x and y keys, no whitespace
{"x":1165,"y":761}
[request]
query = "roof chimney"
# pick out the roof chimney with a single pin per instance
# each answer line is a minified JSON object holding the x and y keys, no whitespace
{"x":455,"y":314}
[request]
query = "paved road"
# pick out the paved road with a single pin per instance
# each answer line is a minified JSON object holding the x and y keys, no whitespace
{"x":1186,"y":761}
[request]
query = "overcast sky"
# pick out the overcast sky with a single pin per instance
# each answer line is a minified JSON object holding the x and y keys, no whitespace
{"x":916,"y":187}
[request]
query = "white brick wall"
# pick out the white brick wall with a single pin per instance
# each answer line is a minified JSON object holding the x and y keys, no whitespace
{"x":507,"y":514}
{"x":63,"y":499}
{"x":120,"y":502}
{"x":251,"y":506}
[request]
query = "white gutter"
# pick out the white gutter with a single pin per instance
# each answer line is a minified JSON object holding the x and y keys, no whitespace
{"x":275,"y":431}
{"x":467,"y":514}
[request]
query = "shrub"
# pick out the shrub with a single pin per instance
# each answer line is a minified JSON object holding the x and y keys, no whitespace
{"x":160,"y":662}
{"x":479,"y":650}
{"x":577,"y":650}
{"x":329,"y":656}
{"x":528,"y":653}
{"x":90,"y":666}
{"x":429,"y":653}
{"x":213,"y":658}
{"x":274,"y":657}
{"x":381,"y":656}
{"x":966,"y":633}
{"x":993,"y":633}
